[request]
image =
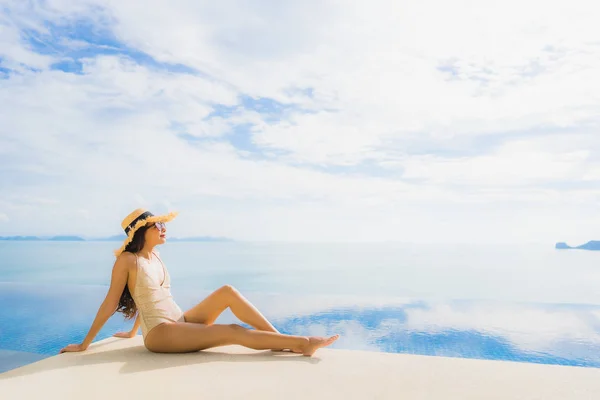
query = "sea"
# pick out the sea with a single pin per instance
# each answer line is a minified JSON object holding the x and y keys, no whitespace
{"x":516,"y":303}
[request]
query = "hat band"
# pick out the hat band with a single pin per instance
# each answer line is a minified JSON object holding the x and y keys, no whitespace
{"x":135,"y":221}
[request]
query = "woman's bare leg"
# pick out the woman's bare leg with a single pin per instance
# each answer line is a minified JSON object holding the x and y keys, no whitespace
{"x":209,"y":309}
{"x":188,"y":337}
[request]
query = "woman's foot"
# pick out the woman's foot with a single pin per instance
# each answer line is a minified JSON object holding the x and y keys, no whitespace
{"x":287,"y":350}
{"x":315,"y":343}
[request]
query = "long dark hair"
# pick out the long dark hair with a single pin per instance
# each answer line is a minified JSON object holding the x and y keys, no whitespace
{"x":126,"y":304}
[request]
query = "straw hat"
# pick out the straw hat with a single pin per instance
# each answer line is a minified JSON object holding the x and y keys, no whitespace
{"x":138,"y":219}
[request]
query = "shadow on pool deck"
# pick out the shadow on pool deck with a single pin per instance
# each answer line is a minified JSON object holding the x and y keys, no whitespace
{"x":138,"y":359}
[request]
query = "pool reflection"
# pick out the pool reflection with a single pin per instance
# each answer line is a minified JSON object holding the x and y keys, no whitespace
{"x":565,"y":335}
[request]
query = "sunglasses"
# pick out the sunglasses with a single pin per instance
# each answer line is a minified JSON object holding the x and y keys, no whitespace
{"x":159,"y":225}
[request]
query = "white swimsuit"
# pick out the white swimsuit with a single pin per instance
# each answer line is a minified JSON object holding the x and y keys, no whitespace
{"x":152,"y":298}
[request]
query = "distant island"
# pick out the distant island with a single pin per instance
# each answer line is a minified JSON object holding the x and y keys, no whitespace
{"x":67,"y":239}
{"x":116,"y":238}
{"x":591,"y":245}
{"x":21,"y":238}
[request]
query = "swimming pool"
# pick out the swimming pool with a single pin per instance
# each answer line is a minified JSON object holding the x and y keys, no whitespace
{"x":38,"y":320}
{"x":50,"y":298}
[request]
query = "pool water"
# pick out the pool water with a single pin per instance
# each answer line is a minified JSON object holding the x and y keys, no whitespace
{"x":49,"y":304}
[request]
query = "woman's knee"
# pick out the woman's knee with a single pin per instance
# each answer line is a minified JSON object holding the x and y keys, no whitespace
{"x":233,"y":333}
{"x":228,"y":290}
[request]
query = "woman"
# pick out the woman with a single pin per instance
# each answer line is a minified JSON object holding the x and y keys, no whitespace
{"x":140,"y":284}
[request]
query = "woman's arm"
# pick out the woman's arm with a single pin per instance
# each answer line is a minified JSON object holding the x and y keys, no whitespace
{"x":133,"y":331}
{"x":119,"y":277}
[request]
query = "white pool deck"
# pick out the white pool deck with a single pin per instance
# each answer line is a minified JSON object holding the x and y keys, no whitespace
{"x":123,"y":369}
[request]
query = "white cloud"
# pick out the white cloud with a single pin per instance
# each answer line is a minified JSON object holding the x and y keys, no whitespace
{"x":14,"y":54}
{"x":471,"y":118}
{"x":321,"y":139}
{"x":520,"y":162}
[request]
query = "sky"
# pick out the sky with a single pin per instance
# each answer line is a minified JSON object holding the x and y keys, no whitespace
{"x":432,"y":121}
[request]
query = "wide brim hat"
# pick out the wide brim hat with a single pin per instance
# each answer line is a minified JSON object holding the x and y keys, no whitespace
{"x":137,"y":219}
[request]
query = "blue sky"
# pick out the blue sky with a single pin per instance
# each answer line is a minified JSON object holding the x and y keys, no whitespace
{"x":317,"y":121}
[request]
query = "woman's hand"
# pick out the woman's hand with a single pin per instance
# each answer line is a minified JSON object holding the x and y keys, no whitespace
{"x":73,"y":348}
{"x":125,"y":335}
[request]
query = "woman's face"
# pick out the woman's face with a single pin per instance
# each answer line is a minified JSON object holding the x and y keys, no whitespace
{"x":156,"y":233}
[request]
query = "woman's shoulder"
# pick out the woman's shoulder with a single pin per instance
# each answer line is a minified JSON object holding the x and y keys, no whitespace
{"x":126,"y":258}
{"x":126,"y":255}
